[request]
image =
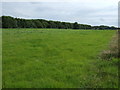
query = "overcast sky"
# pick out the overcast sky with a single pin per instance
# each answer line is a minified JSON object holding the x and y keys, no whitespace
{"x":93,"y":12}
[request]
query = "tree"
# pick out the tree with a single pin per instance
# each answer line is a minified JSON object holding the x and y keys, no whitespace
{"x":38,"y":23}
{"x":30,"y":24}
{"x":76,"y":25}
{"x":0,"y":22}
{"x":9,"y":22}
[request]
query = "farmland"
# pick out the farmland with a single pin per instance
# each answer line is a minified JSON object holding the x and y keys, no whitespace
{"x":57,"y":58}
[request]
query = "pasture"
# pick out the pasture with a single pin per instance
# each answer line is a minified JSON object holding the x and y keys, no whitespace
{"x":57,"y":58}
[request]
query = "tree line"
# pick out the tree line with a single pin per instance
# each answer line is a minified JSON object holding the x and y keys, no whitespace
{"x":11,"y":22}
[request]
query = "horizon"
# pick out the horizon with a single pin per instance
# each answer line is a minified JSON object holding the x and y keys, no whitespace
{"x":57,"y":21}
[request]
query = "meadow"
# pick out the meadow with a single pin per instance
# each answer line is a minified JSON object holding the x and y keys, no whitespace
{"x":0,"y":58}
{"x":57,"y":58}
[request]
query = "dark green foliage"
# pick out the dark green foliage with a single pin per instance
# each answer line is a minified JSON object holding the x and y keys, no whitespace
{"x":30,"y":24}
{"x":0,"y":22}
{"x":20,"y":23}
{"x":10,"y":22}
{"x":38,"y":23}
{"x":76,"y":25}
{"x":102,"y":27}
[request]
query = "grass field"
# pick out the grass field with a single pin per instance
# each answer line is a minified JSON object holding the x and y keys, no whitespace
{"x":0,"y":58}
{"x":51,"y":58}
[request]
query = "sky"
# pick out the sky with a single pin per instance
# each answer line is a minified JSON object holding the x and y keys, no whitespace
{"x":92,"y":12}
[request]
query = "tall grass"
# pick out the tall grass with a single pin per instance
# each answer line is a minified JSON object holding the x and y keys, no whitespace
{"x":40,"y":58}
{"x":118,"y":43}
{"x":113,"y":48}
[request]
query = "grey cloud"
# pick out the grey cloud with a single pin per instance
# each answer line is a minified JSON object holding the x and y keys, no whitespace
{"x":64,"y":11}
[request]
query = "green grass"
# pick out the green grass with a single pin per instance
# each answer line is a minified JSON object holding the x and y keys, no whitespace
{"x":51,"y":58}
{"x":0,"y":58}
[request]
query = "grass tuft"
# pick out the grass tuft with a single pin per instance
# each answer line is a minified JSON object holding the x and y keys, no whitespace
{"x":112,"y":51}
